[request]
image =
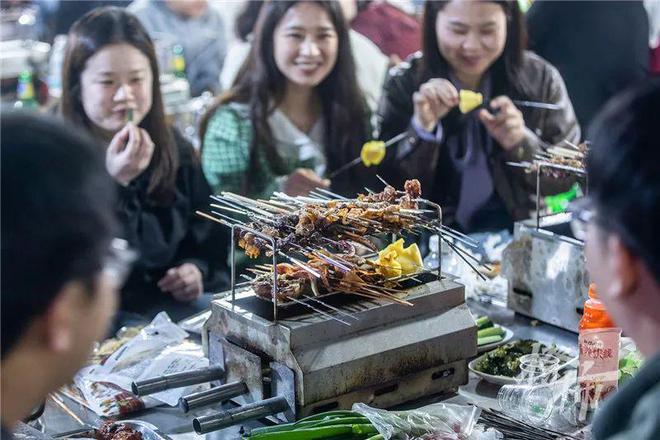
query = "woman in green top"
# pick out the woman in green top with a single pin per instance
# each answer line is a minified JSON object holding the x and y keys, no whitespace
{"x":295,"y":112}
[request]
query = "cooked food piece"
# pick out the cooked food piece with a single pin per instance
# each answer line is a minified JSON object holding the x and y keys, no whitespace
{"x":113,"y":431}
{"x":395,"y":260}
{"x":372,"y":153}
{"x":469,"y":100}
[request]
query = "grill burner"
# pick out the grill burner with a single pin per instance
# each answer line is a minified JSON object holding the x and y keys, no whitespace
{"x":389,"y":354}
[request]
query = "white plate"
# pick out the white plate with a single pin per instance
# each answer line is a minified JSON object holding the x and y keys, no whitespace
{"x":505,"y":380}
{"x":508,"y":334}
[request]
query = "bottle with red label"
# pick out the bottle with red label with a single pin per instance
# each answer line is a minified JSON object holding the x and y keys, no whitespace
{"x":598,"y":342}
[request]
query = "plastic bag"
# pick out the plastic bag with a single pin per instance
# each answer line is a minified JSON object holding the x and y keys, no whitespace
{"x":158,"y":349}
{"x":440,"y":421}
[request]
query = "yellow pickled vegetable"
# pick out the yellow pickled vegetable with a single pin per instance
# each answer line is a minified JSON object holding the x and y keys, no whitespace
{"x":395,"y":260}
{"x":469,"y":100}
{"x":373,"y":153}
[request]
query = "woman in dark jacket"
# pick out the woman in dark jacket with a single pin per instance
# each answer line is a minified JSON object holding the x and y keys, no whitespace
{"x":111,"y":88}
{"x":461,"y":158}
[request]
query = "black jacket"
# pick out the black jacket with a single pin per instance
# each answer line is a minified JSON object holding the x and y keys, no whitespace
{"x":599,"y":47}
{"x":170,"y":235}
{"x":429,"y":162}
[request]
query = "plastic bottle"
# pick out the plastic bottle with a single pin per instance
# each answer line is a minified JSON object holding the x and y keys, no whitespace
{"x":432,"y":259}
{"x":598,"y":342}
{"x":25,"y":98}
{"x":55,"y":66}
{"x":178,"y":62}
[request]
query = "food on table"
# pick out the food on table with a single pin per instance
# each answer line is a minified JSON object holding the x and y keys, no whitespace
{"x":115,"y":431}
{"x":469,"y":100}
{"x":396,"y":261}
{"x":372,"y":153}
{"x":339,"y":222}
{"x":343,"y":273}
{"x":487,"y":332}
{"x":505,"y":360}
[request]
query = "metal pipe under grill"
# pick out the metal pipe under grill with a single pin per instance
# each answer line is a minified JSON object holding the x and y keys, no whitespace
{"x":214,"y":395}
{"x":252,"y":411}
{"x":176,"y":380}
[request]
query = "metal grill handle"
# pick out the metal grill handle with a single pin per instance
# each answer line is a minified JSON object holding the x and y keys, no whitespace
{"x":257,"y":410}
{"x":214,"y":395}
{"x":176,"y":380}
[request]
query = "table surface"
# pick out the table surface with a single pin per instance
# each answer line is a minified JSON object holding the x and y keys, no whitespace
{"x":178,"y":426}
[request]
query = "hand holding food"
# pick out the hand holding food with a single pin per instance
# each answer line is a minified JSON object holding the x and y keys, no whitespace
{"x":129,"y":154}
{"x":433,"y":101}
{"x":302,"y":181}
{"x":507,"y":125}
{"x":183,"y":282}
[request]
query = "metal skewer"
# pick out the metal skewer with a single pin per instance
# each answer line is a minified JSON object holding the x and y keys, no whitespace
{"x":535,"y":104}
{"x":357,"y":160}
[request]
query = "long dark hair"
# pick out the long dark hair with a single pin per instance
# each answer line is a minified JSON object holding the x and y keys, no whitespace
{"x":505,"y":70}
{"x":262,"y":86}
{"x":95,"y":30}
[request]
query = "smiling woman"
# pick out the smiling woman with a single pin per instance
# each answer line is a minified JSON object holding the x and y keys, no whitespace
{"x":476,"y":46}
{"x":296,"y":112}
{"x":111,"y":89}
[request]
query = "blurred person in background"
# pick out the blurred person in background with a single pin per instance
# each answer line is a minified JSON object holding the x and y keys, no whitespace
{"x":197,"y":28}
{"x":396,"y":33}
{"x":599,"y":47}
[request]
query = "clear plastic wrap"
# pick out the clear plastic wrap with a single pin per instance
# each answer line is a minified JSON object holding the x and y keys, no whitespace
{"x":440,"y":421}
{"x":158,"y":349}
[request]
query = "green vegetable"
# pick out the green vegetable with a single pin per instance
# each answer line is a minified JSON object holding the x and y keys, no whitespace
{"x":492,"y":331}
{"x":342,"y":421}
{"x":505,"y":360}
{"x":283,"y":427}
{"x":377,"y":437}
{"x":489,"y":340}
{"x":305,"y":434}
{"x":329,"y":415}
{"x":323,"y":432}
{"x":483,"y":322}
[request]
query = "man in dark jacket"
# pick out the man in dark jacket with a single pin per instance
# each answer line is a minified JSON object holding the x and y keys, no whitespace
{"x":623,"y":250}
{"x":599,"y":47}
{"x":59,"y":268}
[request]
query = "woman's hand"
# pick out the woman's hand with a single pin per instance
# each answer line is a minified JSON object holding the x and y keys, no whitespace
{"x":129,"y":154}
{"x":433,"y":101}
{"x":183,"y":282}
{"x":507,"y":126}
{"x":302,"y":181}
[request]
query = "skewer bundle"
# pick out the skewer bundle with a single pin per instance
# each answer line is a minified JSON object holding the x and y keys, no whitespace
{"x":558,"y":161}
{"x":320,"y":235}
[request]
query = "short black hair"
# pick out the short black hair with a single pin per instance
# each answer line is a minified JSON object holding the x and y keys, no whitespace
{"x":623,"y":168}
{"x":57,"y":215}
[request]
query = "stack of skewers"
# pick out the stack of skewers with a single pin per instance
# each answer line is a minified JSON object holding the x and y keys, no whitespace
{"x":558,"y":161}
{"x":326,"y":240}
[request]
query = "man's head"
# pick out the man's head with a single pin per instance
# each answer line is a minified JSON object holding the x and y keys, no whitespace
{"x":623,"y":243}
{"x":57,"y":226}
